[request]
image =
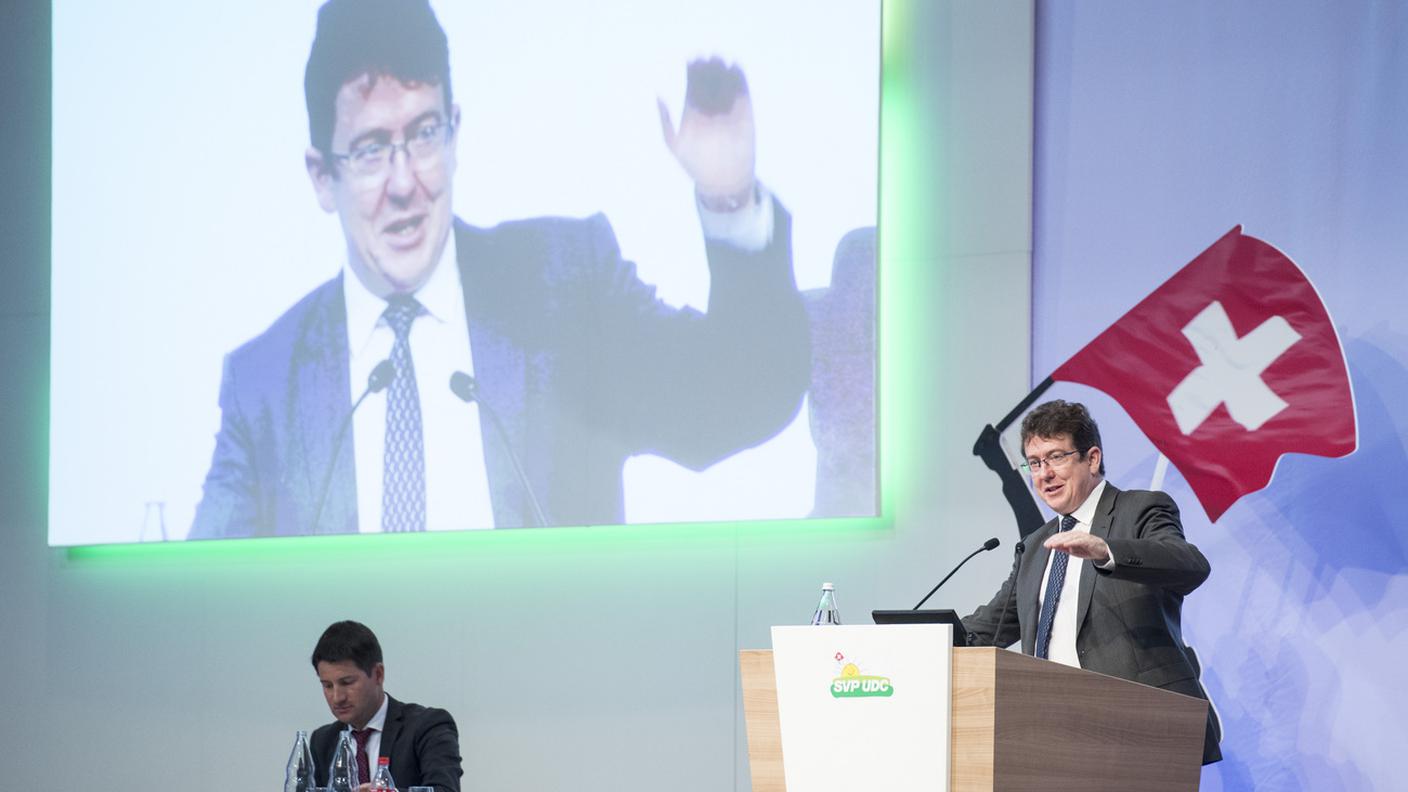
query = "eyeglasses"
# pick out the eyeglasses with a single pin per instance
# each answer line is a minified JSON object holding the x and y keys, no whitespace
{"x":1055,"y":460}
{"x":422,"y":147}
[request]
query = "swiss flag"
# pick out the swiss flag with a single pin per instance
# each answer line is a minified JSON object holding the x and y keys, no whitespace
{"x":1229,"y":364}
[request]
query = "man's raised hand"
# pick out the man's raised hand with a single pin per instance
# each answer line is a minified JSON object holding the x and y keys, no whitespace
{"x":715,"y":143}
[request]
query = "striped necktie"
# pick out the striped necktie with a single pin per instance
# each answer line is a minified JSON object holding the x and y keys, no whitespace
{"x":1054,"y":582}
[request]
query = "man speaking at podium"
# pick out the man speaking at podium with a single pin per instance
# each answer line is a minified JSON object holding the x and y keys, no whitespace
{"x":1100,"y":587}
{"x":341,"y":418}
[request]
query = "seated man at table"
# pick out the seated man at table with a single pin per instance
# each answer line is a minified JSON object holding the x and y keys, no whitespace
{"x":421,"y":742}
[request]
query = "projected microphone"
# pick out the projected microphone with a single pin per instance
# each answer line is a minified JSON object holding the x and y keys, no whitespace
{"x":381,"y":376}
{"x":988,"y":545}
{"x":465,"y":387}
{"x":1016,"y":559}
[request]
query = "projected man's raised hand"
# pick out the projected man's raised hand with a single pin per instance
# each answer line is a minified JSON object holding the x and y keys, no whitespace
{"x":715,"y":142}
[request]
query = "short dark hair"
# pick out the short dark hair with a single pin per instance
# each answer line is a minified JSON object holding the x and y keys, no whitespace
{"x":381,"y":38}
{"x":348,"y":640}
{"x":1056,"y":418}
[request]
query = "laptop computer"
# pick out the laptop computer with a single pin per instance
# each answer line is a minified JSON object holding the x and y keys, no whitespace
{"x":960,"y":635}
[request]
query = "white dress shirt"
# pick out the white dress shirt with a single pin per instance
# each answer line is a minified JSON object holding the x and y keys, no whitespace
{"x":1063,"y":624}
{"x":377,"y":724}
{"x":456,"y":480}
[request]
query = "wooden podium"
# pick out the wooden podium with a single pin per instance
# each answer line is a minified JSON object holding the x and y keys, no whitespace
{"x":1020,"y":723}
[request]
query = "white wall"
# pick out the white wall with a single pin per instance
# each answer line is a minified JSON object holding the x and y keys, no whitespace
{"x":582,"y":659}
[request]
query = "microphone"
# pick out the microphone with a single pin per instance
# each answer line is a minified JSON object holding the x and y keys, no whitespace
{"x":988,"y":545}
{"x":381,"y":376}
{"x":1016,"y":559}
{"x":465,"y":387}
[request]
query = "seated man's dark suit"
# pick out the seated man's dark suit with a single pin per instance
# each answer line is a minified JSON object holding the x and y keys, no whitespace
{"x":421,"y":742}
{"x":576,"y":355}
{"x":1128,"y":618}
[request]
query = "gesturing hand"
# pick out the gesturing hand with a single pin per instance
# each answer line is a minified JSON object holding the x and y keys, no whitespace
{"x":716,"y":142}
{"x":1081,"y":545}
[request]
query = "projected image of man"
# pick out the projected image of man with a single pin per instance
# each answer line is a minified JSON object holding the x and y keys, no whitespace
{"x":340,"y":417}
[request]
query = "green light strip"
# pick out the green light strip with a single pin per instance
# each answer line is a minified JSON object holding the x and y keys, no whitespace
{"x":906,"y":211}
{"x":420,"y":545}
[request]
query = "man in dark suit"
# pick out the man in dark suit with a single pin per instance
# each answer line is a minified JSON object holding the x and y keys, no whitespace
{"x":1100,"y":587}
{"x":421,"y":742}
{"x":577,"y":364}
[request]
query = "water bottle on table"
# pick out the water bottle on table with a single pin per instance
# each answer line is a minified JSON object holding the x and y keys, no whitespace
{"x":342,"y":775}
{"x":826,"y":612}
{"x":300,"y":766}
{"x":381,"y":779}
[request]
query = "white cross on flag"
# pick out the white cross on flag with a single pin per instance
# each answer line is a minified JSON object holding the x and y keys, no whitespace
{"x":1229,"y":364}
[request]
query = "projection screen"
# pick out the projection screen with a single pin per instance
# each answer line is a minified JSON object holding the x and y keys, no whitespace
{"x":639,"y":237}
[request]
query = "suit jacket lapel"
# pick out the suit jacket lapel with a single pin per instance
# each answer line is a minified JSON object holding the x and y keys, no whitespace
{"x":1029,"y":579}
{"x":499,"y":370}
{"x":1104,"y":515}
{"x":320,"y":397}
{"x":390,"y":730}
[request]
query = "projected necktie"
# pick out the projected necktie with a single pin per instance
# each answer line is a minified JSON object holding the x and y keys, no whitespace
{"x":1054,"y":582}
{"x":403,"y":463}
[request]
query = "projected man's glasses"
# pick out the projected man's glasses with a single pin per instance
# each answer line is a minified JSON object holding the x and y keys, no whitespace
{"x":423,"y":147}
{"x":1054,"y":460}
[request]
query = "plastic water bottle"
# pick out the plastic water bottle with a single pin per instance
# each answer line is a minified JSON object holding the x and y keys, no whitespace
{"x":300,"y":766}
{"x":342,"y":775}
{"x":826,"y":612}
{"x":381,"y":779}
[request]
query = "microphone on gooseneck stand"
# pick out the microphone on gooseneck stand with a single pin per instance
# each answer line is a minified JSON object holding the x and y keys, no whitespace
{"x":988,"y":545}
{"x":1011,"y":595}
{"x":381,"y":376}
{"x":465,"y":387}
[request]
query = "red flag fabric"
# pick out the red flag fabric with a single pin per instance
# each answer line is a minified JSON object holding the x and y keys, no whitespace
{"x":1228,"y":365}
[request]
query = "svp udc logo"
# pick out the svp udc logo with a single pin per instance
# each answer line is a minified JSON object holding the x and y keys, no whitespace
{"x":853,"y":684}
